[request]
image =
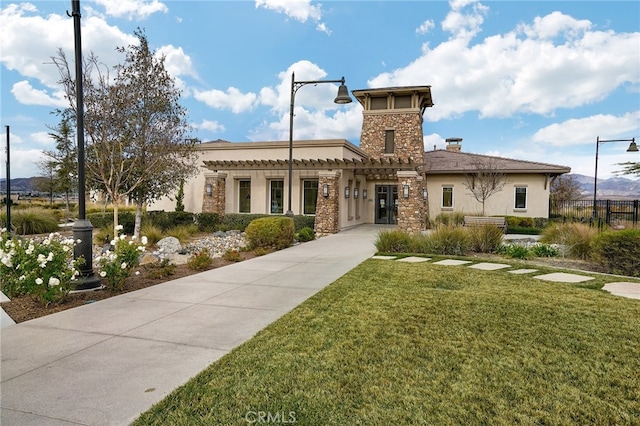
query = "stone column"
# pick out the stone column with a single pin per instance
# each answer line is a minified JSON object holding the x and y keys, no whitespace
{"x":411,"y":211}
{"x":213,"y":199}
{"x":327,"y":208}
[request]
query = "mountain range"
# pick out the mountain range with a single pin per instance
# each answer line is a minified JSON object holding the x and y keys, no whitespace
{"x":613,"y":188}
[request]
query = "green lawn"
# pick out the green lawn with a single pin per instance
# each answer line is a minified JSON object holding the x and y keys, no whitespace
{"x":392,"y":343}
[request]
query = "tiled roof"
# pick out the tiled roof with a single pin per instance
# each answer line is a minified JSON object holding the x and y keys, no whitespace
{"x":443,"y":161}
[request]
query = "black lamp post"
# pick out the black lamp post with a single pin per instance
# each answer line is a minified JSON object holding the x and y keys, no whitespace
{"x":632,"y":148}
{"x":342,"y":98}
{"x":82,"y":229}
{"x":8,"y":185}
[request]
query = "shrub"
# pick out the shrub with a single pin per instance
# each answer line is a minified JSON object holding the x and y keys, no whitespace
{"x":207,"y":222}
{"x":575,"y":238}
{"x":232,"y":255}
{"x":126,"y":219}
{"x":167,"y":220}
{"x":32,"y":220}
{"x":485,"y":239}
{"x":239,"y":221}
{"x":450,"y":240}
{"x":395,"y":241}
{"x":300,"y":222}
{"x":544,"y":250}
{"x":306,"y":234}
{"x":153,"y":233}
{"x":162,"y":269}
{"x":455,"y":218}
{"x":183,"y":232}
{"x":515,"y":251}
{"x":200,"y":260}
{"x":102,"y":235}
{"x":42,"y":268}
{"x":618,"y":251}
{"x":115,"y":267}
{"x":420,"y":243}
{"x":270,"y":232}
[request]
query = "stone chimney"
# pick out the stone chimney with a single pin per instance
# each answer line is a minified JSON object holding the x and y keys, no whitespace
{"x":454,"y":144}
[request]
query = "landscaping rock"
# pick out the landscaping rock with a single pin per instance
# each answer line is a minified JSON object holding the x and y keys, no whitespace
{"x":169,"y":245}
{"x":148,"y":259}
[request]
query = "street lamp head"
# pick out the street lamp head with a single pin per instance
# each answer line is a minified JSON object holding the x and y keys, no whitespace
{"x":633,"y":147}
{"x":343,"y":94}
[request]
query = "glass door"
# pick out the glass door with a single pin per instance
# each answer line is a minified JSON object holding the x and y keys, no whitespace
{"x":387,"y":204}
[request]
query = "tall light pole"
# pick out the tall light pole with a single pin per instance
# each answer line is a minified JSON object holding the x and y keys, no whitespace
{"x":82,"y":229}
{"x":342,"y":98}
{"x":632,"y":148}
{"x":9,"y":227}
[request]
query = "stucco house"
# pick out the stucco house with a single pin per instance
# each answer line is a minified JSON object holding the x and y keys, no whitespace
{"x":388,"y":179}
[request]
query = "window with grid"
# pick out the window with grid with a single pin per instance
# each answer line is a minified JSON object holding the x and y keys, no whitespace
{"x":389,"y":143}
{"x":244,"y":196}
{"x":277,"y":196}
{"x":447,"y":196}
{"x":309,"y":196}
{"x":521,"y":197}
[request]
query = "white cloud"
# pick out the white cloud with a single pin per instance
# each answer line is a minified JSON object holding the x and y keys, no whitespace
{"x":212,"y":126}
{"x":300,"y":10}
{"x":555,"y":62}
{"x":232,"y":99}
{"x":433,"y":140}
{"x":132,"y":9}
{"x":579,"y":131}
{"x":28,"y":41}
{"x":28,"y":95}
{"x":425,"y":27}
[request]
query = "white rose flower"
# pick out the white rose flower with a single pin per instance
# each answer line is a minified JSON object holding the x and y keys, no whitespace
{"x":137,"y":272}
{"x":53,"y":281}
{"x":143,"y":240}
{"x":30,"y":249}
{"x":39,"y":281}
{"x":124,"y":265}
{"x":103,"y":274}
{"x":50,"y":257}
{"x":122,"y":237}
{"x":65,"y":248}
{"x":113,"y":242}
{"x":119,"y":228}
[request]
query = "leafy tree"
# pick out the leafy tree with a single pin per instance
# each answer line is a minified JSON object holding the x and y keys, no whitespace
{"x":630,"y":168}
{"x":135,"y":126}
{"x":180,"y":198}
{"x":485,"y":181}
{"x":564,"y":188}
{"x":63,"y":161}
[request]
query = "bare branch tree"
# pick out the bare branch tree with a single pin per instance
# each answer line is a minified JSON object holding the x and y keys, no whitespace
{"x":485,"y":181}
{"x":564,"y":188}
{"x":134,"y":125}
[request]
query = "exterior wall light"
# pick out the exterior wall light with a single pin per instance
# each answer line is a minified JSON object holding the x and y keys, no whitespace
{"x":346,"y":192}
{"x":355,"y":192}
{"x":364,"y":194}
{"x":209,"y":190}
{"x":424,"y":193}
{"x":405,"y":191}
{"x":325,"y":190}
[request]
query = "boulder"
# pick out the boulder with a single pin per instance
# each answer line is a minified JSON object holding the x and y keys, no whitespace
{"x":169,"y":245}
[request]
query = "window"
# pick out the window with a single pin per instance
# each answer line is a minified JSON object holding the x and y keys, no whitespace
{"x":403,"y":102}
{"x":277,"y":196}
{"x":379,"y":103}
{"x":244,"y":196}
{"x":309,"y":196}
{"x":447,"y":196}
{"x":521,"y":197}
{"x":389,"y":142}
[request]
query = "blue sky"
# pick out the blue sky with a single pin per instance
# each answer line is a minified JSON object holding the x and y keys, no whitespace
{"x":533,"y":80}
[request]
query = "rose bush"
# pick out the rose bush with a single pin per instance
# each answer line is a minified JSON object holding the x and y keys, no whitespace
{"x":44,"y":269}
{"x":116,"y":265}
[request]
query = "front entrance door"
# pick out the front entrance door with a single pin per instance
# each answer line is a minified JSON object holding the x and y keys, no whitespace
{"x":387,"y":204}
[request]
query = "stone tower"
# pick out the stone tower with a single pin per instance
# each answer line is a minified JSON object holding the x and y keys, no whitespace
{"x":392,"y":121}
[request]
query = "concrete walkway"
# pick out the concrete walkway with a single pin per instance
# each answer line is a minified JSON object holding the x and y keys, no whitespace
{"x":107,"y":362}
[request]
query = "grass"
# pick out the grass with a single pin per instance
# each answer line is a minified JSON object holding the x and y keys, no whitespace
{"x":396,"y":343}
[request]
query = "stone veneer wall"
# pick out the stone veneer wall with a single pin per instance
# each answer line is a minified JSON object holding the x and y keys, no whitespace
{"x":411,"y":211}
{"x":214,"y":203}
{"x":327,"y":208}
{"x":407,"y":137}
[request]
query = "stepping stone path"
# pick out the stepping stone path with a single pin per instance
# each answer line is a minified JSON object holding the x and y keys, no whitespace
{"x":625,"y":289}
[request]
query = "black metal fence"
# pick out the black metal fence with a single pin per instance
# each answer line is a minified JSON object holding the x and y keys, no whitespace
{"x":623,"y":213}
